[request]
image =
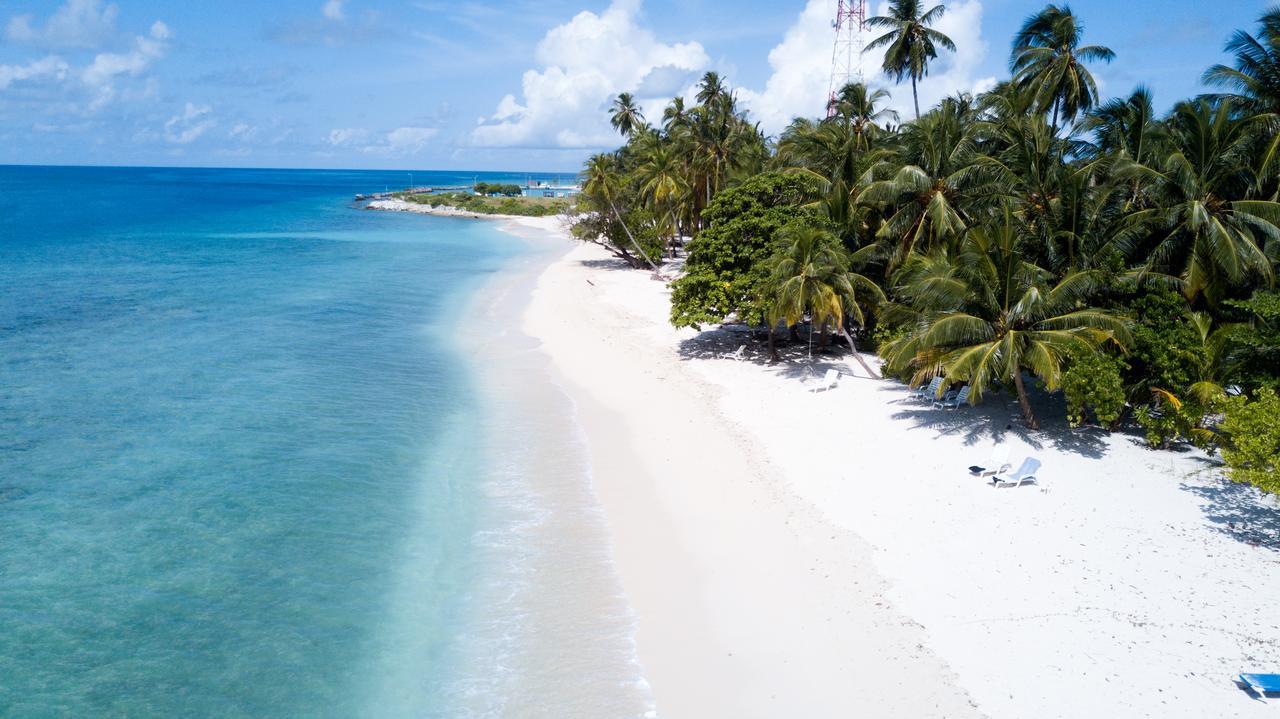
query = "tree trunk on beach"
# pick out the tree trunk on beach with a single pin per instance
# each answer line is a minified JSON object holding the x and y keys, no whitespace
{"x":858,"y":355}
{"x":632,"y":238}
{"x":1027,"y":414}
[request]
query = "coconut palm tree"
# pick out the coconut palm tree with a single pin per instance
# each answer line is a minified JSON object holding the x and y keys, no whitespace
{"x":1206,"y":225}
{"x":663,"y":185}
{"x":710,"y":88}
{"x":602,"y":182}
{"x":674,"y":114}
{"x":861,"y":108}
{"x":937,"y":186}
{"x":984,"y":314}
{"x":625,"y":115}
{"x":909,"y":43}
{"x":1048,"y":61}
{"x":1256,"y":75}
{"x":810,"y":276}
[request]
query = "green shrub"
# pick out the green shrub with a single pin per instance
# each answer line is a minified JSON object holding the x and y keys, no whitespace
{"x":1251,"y":446}
{"x":1092,"y":383}
{"x":726,"y":269}
{"x":1166,"y":350}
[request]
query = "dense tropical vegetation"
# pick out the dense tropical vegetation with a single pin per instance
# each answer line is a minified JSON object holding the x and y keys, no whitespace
{"x":489,"y":204}
{"x":1036,"y":234}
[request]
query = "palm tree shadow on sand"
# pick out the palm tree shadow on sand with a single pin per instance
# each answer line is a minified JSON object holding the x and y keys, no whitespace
{"x":993,"y":420}
{"x":1239,"y":511}
{"x":998,"y":417}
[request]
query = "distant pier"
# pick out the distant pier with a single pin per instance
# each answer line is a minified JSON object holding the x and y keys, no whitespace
{"x":412,"y":191}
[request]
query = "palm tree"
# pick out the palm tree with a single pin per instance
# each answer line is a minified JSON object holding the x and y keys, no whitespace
{"x":674,"y":115}
{"x":602,"y":182}
{"x":625,"y":116}
{"x":938,"y":185}
{"x":860,"y":107}
{"x":810,"y":276}
{"x":710,"y":87}
{"x":1256,"y":75}
{"x":663,"y":184}
{"x":1205,"y":225}
{"x":1048,"y":61}
{"x":984,"y":314}
{"x":910,"y":42}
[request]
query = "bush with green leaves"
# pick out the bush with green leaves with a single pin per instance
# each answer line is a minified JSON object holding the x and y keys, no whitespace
{"x":1093,"y":385}
{"x":726,"y":272}
{"x":1166,"y":348}
{"x":1257,"y":340}
{"x":496,"y":188}
{"x":1170,"y":419}
{"x":1251,"y":439}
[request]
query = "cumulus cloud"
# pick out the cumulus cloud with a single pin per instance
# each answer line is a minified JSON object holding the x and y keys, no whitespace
{"x":409,"y":139}
{"x":51,"y":67}
{"x":801,"y":66}
{"x":400,"y":141}
{"x":583,"y":64}
{"x":185,"y":128}
{"x":76,"y":24}
{"x":333,"y":10}
{"x":101,"y":74}
{"x":347,"y":136}
{"x":243,"y":132}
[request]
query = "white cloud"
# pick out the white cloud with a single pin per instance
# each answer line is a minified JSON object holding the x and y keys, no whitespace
{"x":101,"y":74}
{"x":333,"y":10}
{"x":584,"y":64}
{"x":47,"y":67}
{"x":243,"y":131}
{"x":192,"y":123}
{"x":347,"y":136}
{"x":76,"y":24}
{"x":409,"y":140}
{"x":400,"y":141}
{"x":801,"y":66}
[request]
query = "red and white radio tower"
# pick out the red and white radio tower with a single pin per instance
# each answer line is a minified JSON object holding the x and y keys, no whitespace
{"x":846,"y":53}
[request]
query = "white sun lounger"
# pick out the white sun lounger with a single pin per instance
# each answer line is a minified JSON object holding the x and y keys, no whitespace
{"x":829,"y":381}
{"x":954,"y":402}
{"x":999,"y":462}
{"x":740,"y":353}
{"x":1025,"y":473}
{"x":929,"y":392}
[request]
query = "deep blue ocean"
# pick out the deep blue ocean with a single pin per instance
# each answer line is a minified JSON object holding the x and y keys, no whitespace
{"x":227,"y":397}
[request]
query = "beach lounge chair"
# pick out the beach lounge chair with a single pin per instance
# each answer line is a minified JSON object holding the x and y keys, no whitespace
{"x":999,"y":462}
{"x":1025,"y":473}
{"x":954,"y":401}
{"x":1262,"y":684}
{"x":829,"y":380}
{"x":929,"y":392}
{"x":738,"y":354}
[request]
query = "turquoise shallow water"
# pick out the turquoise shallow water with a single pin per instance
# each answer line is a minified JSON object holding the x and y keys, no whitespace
{"x":231,"y":409}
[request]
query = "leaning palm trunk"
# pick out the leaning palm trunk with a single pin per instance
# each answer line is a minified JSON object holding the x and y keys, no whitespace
{"x":858,"y":355}
{"x":632,"y":237}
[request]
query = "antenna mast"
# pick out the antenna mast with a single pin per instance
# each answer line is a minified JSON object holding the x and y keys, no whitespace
{"x":846,"y":52}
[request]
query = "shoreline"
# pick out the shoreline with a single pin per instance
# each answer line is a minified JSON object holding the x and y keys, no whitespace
{"x":445,"y":211}
{"x":748,"y":602}
{"x":550,"y":632}
{"x":786,"y":551}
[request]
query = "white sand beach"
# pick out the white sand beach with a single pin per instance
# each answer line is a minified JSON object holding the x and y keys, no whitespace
{"x":821,"y":554}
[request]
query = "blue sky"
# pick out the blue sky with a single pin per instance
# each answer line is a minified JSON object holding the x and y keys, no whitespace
{"x":518,"y":85}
